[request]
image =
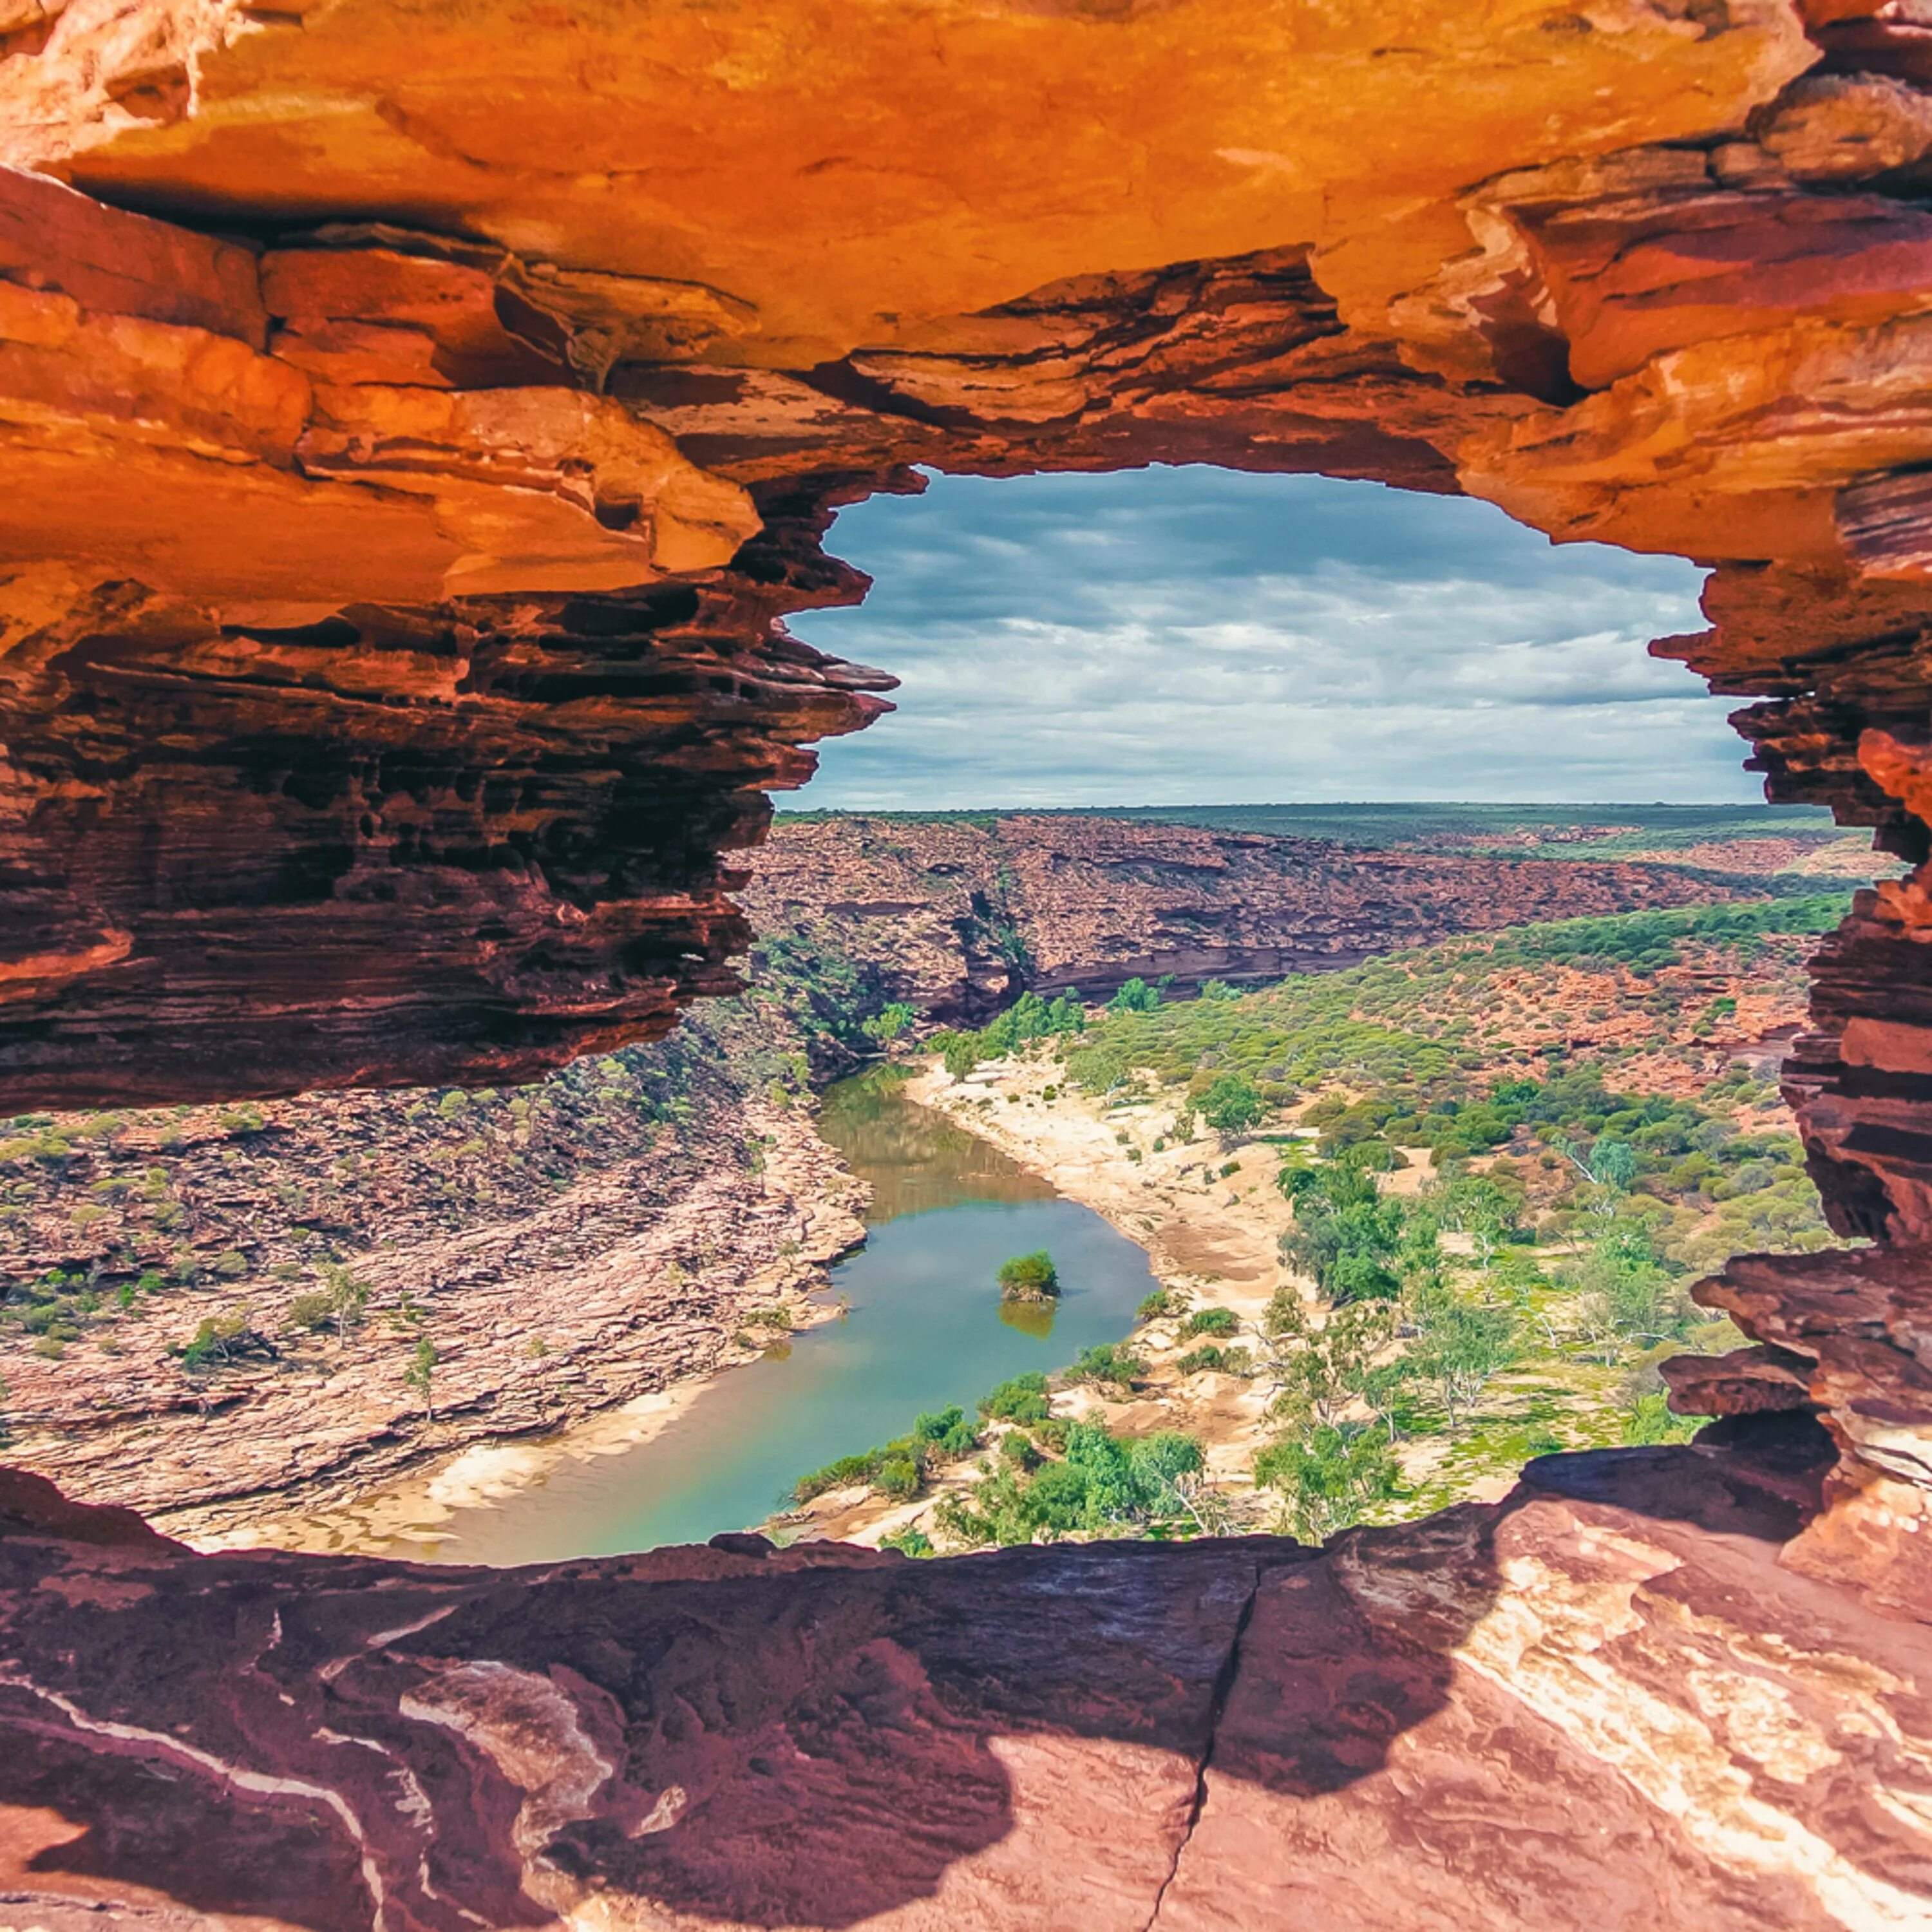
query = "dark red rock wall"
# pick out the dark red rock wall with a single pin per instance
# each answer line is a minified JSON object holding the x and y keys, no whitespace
{"x":1559,"y":1711}
{"x":958,"y":917}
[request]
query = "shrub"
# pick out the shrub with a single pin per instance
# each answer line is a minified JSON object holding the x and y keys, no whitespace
{"x":1107,"y":1362}
{"x":1232,"y":1104}
{"x":1029,"y":1277}
{"x":313,"y":1309}
{"x":1162,"y":1301}
{"x":224,"y":1338}
{"x":1210,"y":1321}
{"x":1649,"y":1419}
{"x":899,"y":1477}
{"x":960,"y":1054}
{"x":1135,"y":997}
{"x":947,"y":1432}
{"x":910,"y":1541}
{"x":886,"y":1026}
{"x":1219,"y":1361}
{"x":1023,"y":1399}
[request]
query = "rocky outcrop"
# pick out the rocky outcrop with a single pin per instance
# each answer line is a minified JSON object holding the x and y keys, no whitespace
{"x":959,"y":916}
{"x":1602,"y":1702}
{"x":409,"y":495}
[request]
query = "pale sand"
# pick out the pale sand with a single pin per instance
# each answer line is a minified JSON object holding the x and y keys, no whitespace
{"x":1212,"y":1237}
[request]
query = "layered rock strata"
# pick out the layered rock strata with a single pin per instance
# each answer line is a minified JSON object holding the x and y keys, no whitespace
{"x":418,"y":421}
{"x":1558,"y":1711}
{"x":957,"y":917}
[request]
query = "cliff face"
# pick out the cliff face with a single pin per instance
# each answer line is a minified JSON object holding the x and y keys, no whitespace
{"x":957,"y":916}
{"x":629,"y":1225}
{"x":406,"y":500}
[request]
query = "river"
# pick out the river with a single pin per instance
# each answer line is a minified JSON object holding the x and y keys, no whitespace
{"x":923,"y":1327}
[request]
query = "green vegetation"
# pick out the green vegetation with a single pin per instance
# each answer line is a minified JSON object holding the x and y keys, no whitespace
{"x":1029,"y":1019}
{"x":1515,"y":1297}
{"x":1232,"y":1104}
{"x":1100,"y":1483}
{"x":1107,"y":1365}
{"x":221,"y":1341}
{"x":1029,"y":1277}
{"x":1210,"y":1321}
{"x":1023,"y":1399}
{"x":1223,"y":1361}
{"x":898,"y":1468}
{"x":886,"y":1025}
{"x":420,"y":1374}
{"x":1335,"y":1475}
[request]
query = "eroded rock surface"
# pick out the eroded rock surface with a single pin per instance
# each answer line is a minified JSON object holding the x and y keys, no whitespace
{"x":1602,"y":1703}
{"x":408,"y":495}
{"x":417,"y":422}
{"x":959,"y":916}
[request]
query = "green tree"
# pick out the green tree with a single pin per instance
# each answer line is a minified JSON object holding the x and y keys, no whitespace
{"x":961,"y":1054}
{"x":1460,"y":1348}
{"x":1233,"y":1104}
{"x":421,"y":1373}
{"x":886,"y":1026}
{"x":1029,"y":1277}
{"x":1021,"y":1398}
{"x":1135,"y":997}
{"x":1333,"y":1477}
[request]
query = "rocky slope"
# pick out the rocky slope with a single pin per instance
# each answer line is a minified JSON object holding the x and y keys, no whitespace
{"x":957,"y":916}
{"x":216,"y":1315}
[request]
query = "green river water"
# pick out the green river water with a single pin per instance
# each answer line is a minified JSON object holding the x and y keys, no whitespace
{"x":924,"y":1327}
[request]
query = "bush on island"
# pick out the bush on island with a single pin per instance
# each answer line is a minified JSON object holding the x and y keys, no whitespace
{"x":1029,"y":1277}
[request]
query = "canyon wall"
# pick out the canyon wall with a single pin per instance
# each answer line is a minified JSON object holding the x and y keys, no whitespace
{"x":959,"y":916}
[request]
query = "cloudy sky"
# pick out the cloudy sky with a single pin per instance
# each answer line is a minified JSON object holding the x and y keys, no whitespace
{"x":1168,"y":637}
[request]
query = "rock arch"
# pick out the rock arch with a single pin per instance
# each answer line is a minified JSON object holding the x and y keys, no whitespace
{"x":418,"y":421}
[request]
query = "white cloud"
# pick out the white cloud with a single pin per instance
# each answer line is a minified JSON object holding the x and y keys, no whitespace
{"x":1170,"y":636}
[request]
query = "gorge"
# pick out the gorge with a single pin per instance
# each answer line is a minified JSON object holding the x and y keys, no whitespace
{"x":419,"y":420}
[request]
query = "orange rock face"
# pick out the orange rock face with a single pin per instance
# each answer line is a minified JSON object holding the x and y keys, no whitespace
{"x":442,"y":322}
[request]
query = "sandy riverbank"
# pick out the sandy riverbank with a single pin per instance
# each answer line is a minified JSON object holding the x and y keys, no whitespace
{"x":620,"y":1348}
{"x":1210,"y":1234}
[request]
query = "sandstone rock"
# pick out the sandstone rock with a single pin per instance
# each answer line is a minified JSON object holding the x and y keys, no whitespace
{"x":380,"y":687}
{"x":1746,"y":1381}
{"x":1827,"y":127}
{"x":1602,"y":1701}
{"x":1857,"y":1322}
{"x":1092,"y":901}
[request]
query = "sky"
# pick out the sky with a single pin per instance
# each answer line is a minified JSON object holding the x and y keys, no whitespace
{"x":1193,"y":636}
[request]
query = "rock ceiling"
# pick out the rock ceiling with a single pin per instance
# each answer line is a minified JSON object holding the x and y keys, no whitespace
{"x":417,"y":419}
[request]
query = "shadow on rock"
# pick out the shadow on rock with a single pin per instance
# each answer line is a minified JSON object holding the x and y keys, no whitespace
{"x":813,"y":1737}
